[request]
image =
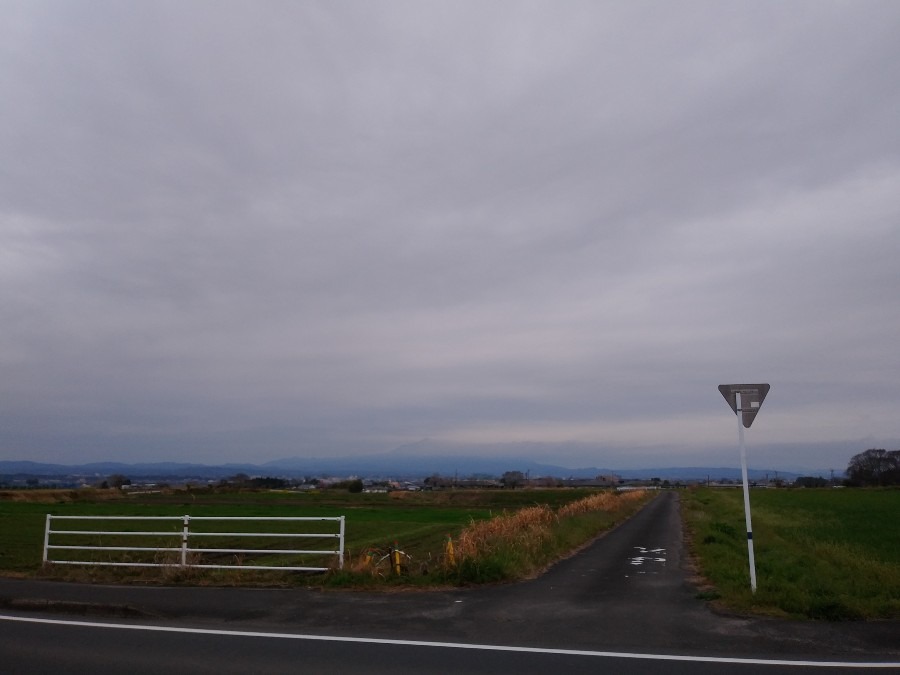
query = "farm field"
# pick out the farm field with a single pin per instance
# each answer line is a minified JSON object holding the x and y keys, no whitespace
{"x":820,"y":553}
{"x":420,"y":523}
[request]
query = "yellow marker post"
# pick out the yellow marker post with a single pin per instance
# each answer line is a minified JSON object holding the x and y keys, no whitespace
{"x":450,"y":555}
{"x":395,"y":558}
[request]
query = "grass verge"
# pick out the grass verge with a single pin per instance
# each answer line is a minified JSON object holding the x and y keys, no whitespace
{"x":820,"y":554}
{"x":522,"y":543}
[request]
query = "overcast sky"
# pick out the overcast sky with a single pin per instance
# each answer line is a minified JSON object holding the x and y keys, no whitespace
{"x":239,"y":231}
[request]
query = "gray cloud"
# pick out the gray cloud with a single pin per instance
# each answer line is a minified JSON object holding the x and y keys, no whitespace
{"x":374,"y":223}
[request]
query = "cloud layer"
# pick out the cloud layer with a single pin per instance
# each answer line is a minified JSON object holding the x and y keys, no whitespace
{"x":237,"y":231}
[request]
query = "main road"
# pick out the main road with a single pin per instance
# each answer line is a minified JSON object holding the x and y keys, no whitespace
{"x":625,"y":603}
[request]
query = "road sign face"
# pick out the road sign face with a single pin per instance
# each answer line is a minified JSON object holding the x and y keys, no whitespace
{"x":752,"y":397}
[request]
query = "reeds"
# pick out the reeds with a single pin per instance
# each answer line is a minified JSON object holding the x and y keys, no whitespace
{"x":524,"y":529}
{"x":518,"y":543}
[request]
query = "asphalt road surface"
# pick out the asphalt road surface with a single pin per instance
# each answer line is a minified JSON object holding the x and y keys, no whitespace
{"x":625,"y":604}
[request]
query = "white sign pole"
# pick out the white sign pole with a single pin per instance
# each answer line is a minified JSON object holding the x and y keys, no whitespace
{"x":740,"y":419}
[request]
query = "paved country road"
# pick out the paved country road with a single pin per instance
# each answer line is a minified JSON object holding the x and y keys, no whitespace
{"x":627,"y":593}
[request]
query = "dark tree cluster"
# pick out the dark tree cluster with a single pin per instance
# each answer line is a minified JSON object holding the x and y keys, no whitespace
{"x":354,"y":485}
{"x":875,"y":467}
{"x":117,"y":481}
{"x":811,"y":482}
{"x":513,"y":479}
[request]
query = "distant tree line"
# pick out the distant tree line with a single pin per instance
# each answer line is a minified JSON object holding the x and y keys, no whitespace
{"x":875,"y":467}
{"x":811,"y":482}
{"x":242,"y":480}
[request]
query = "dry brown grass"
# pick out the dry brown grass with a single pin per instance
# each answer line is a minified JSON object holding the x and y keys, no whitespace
{"x":602,"y":501}
{"x":57,"y":496}
{"x":527,"y":529}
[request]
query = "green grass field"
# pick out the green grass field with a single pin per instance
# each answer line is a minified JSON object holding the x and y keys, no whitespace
{"x":419,"y":522}
{"x":820,"y":554}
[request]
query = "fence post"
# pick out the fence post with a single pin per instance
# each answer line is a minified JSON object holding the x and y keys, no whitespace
{"x":184,"y":540}
{"x":47,"y":537}
{"x":395,"y":559}
{"x":341,"y":545}
{"x":450,"y":558}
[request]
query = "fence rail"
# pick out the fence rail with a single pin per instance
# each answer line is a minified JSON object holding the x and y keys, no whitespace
{"x":172,"y":547}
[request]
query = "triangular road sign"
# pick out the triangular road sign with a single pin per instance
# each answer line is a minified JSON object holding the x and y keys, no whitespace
{"x":752,"y":397}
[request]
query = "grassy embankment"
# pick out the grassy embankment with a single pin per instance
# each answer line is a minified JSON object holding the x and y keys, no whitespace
{"x":821,"y":554}
{"x":497,"y":534}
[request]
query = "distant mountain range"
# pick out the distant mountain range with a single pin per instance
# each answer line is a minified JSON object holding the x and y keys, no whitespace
{"x":388,"y":465}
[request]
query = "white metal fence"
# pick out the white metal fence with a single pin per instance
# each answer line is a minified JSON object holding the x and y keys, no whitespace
{"x":126,"y":541}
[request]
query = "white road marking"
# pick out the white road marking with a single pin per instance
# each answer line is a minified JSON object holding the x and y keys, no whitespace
{"x":641,"y":559}
{"x":451,"y":645}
